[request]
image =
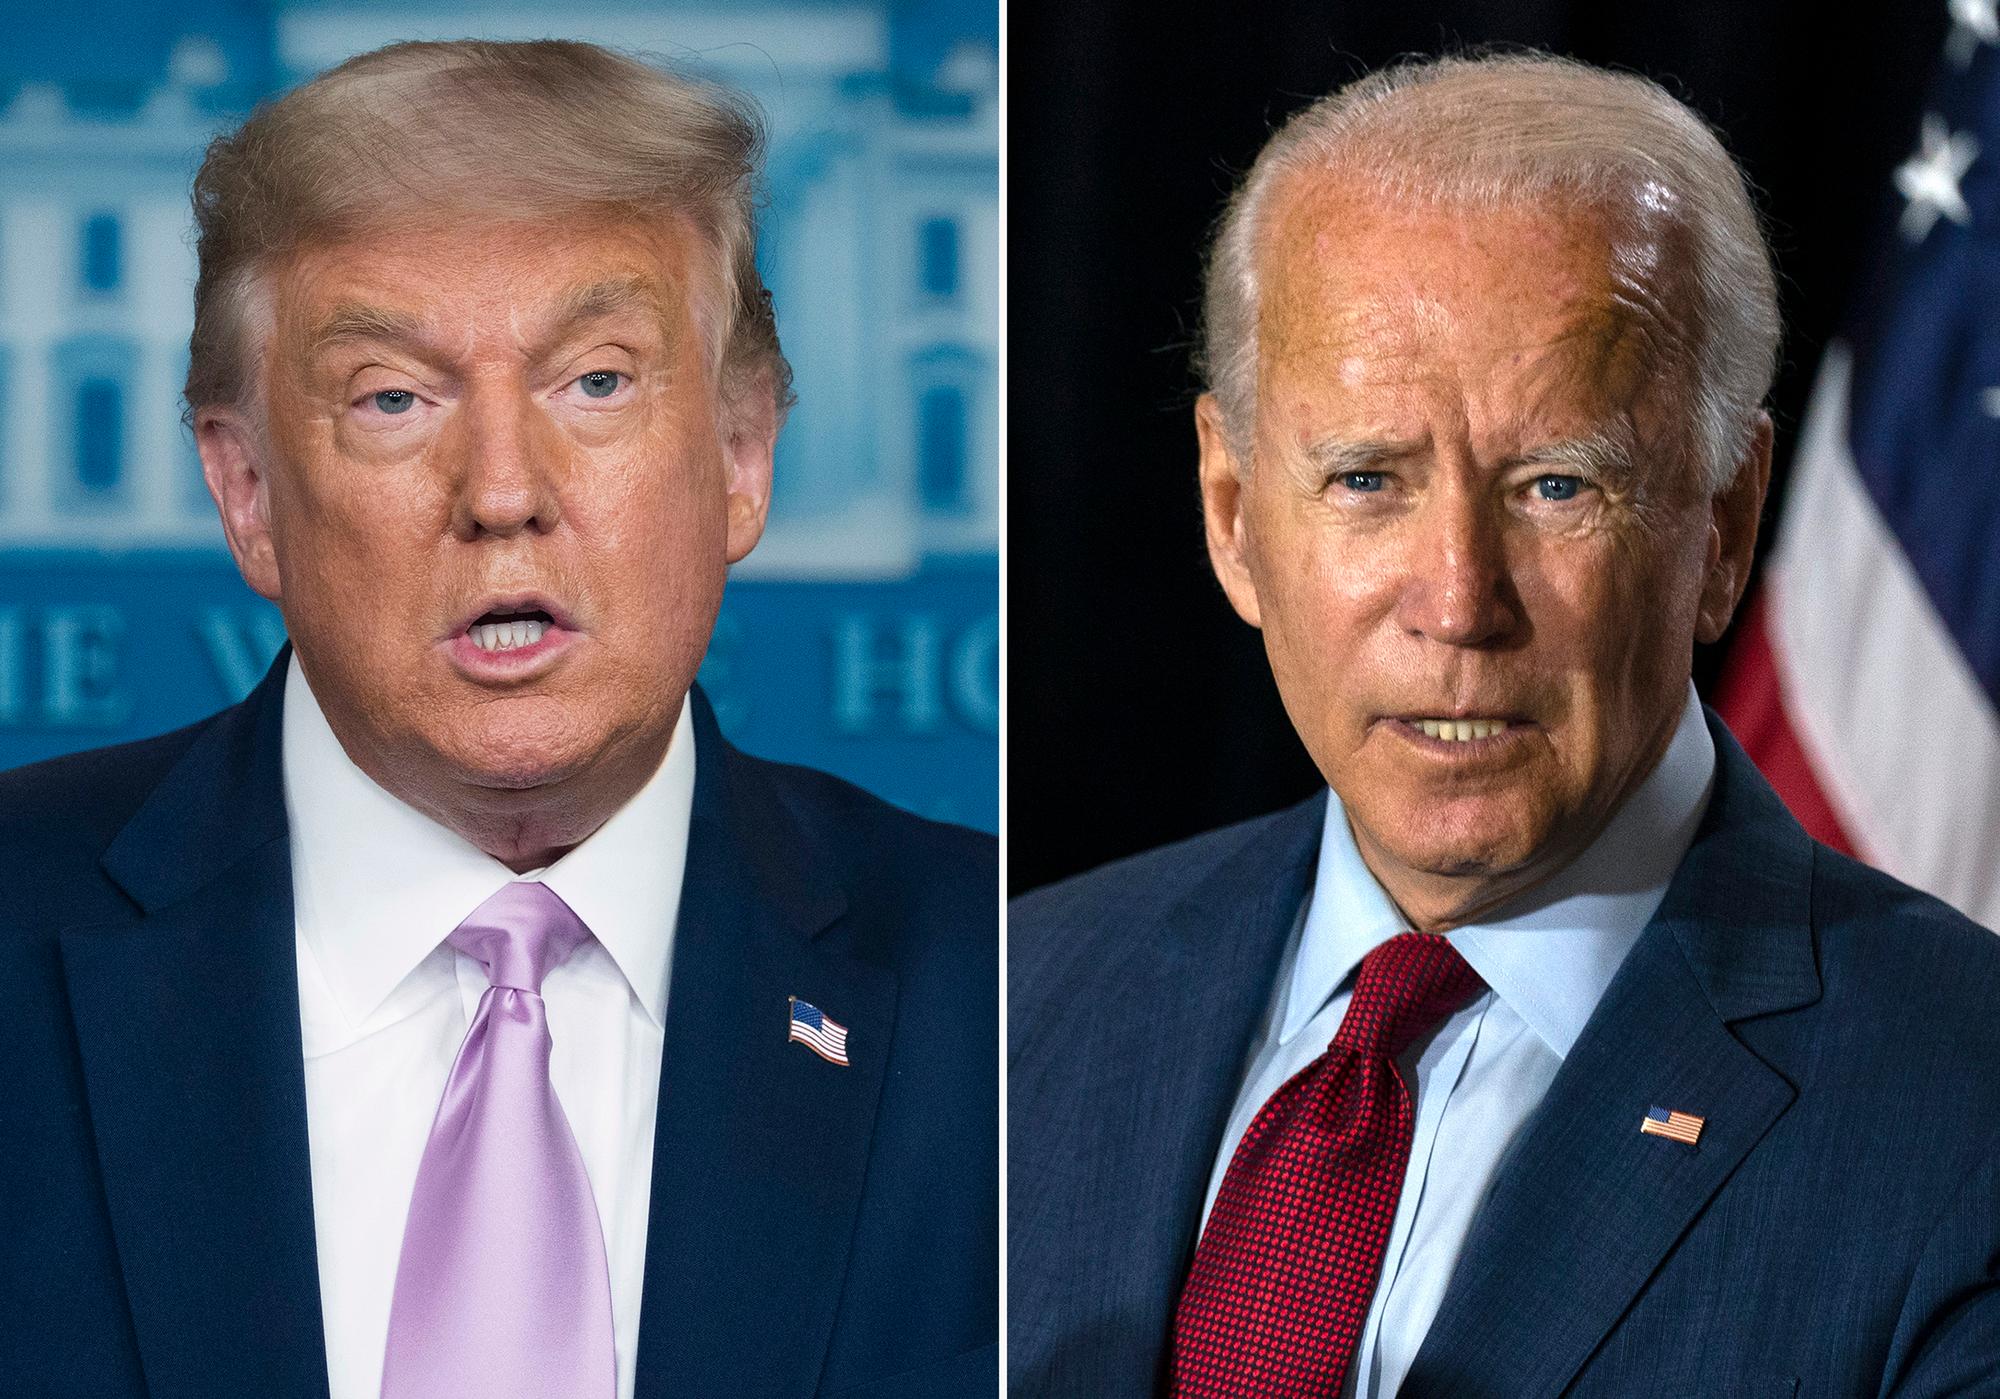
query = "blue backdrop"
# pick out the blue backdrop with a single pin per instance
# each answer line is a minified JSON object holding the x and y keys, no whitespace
{"x":861,"y":636}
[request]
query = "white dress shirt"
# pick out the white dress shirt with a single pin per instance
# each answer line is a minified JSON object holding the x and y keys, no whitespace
{"x":384,"y":1004}
{"x":1547,"y":957}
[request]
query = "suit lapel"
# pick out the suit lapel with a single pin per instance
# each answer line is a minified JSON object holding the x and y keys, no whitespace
{"x":761,"y":1145}
{"x":1164,"y":1046}
{"x":187,"y":1020}
{"x":1585,"y":1208}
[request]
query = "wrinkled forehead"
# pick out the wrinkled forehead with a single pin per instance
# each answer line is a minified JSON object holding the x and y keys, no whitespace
{"x":1354,"y":282}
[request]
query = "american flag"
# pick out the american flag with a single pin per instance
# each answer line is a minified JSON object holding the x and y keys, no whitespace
{"x":818,"y":1031}
{"x":1679,"y":1126}
{"x":1865,"y":679}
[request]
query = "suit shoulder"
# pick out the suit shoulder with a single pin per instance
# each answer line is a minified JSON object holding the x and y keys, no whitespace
{"x":1881,"y":940}
{"x":1086,"y":925}
{"x":59,"y":816}
{"x":1151,"y":879}
{"x":87,"y":796}
{"x":947,"y":876}
{"x":871,"y":822}
{"x":1907,"y":988}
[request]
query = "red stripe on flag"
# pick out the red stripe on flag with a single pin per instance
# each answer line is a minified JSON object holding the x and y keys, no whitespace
{"x":1751,"y":700}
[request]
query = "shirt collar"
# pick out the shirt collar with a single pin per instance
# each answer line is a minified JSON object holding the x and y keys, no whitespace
{"x":377,"y":885}
{"x":1549,"y":954}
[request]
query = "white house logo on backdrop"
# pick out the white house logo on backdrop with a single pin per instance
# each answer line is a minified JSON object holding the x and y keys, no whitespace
{"x":880,"y":245}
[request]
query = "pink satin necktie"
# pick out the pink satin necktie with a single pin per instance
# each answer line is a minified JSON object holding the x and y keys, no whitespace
{"x":503,"y":1289}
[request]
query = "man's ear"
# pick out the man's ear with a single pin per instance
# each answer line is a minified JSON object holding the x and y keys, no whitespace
{"x":751,"y":421}
{"x":1222,"y":510}
{"x":1734,"y":513}
{"x":233,"y":463}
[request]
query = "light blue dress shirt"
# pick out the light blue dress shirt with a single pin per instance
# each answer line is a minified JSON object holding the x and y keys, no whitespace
{"x":1547,"y":957}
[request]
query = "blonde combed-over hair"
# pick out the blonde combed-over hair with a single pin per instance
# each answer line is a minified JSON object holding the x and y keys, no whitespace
{"x":415,"y":133}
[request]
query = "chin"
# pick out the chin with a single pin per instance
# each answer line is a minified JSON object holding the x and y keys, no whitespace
{"x":1446,"y":861}
{"x":519,"y":778}
{"x":1459,"y":843}
{"x":515,"y":752}
{"x":509,"y":772}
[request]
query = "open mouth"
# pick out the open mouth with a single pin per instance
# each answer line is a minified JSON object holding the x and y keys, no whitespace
{"x":1465,"y":734}
{"x":1459,"y":730}
{"x":516,"y":638}
{"x":508,"y":631}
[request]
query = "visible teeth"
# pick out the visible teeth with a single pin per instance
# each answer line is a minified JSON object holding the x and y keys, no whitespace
{"x":505,"y":636}
{"x":1461,"y":730}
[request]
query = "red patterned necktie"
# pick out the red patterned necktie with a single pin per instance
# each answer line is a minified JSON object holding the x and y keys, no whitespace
{"x":1285,"y":1271}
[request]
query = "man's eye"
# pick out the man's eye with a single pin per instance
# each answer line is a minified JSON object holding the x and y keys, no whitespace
{"x":395,"y":400}
{"x":1558,"y":487}
{"x":1360,"y":480}
{"x":600,"y":383}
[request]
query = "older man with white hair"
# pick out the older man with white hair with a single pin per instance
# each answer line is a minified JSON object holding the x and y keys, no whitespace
{"x":462,"y":1015}
{"x":1543,"y":1053}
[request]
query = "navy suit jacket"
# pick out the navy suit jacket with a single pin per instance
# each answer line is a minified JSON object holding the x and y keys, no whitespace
{"x":814,"y":1230}
{"x":1835,"y":1231}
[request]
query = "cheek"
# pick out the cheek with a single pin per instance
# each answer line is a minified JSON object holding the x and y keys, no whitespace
{"x":352,"y":483}
{"x":1577,"y":595}
{"x":1298,"y":598}
{"x":343,"y":533}
{"x":1660,"y":577}
{"x":1311,"y":575}
{"x":1325,"y":602}
{"x":663,"y":488}
{"x":653,"y":524}
{"x":1615,"y":612}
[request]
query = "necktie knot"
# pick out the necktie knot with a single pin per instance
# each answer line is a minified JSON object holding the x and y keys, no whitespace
{"x":1407,"y":986}
{"x":520,"y":934}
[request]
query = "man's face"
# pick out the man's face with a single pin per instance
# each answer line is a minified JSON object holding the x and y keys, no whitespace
{"x":481,"y":435}
{"x":1472,"y":498}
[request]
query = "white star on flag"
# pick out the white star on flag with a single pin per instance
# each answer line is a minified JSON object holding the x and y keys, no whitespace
{"x":1973,"y":22}
{"x":1929,"y":179}
{"x":1990,"y":401}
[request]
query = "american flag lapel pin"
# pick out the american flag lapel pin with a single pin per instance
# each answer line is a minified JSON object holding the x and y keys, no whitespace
{"x":818,"y":1031}
{"x":1675,"y":1126}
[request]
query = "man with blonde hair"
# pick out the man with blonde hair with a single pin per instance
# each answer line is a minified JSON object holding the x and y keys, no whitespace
{"x":1543,"y":1053}
{"x":461,"y":1014}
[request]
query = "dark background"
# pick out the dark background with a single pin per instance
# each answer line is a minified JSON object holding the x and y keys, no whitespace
{"x":1141,"y":709}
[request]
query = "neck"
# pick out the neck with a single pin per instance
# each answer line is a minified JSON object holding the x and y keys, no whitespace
{"x":524,"y":826}
{"x":1437,"y":903}
{"x":529,"y":828}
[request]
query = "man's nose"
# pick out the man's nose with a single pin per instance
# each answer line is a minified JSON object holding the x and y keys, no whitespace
{"x":508,"y":459}
{"x":1457,"y":588}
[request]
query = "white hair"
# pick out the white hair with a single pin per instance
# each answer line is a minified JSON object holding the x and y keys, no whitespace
{"x":1510,"y":129}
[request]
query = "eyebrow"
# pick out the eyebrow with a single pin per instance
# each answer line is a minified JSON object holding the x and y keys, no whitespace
{"x":1598,"y":453}
{"x":575,"y":307}
{"x":1601,"y":454}
{"x":1334,"y":457}
{"x":610,"y":297}
{"x":354,"y":321}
